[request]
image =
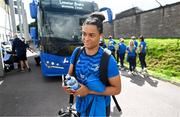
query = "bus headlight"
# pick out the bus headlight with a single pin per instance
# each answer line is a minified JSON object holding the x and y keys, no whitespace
{"x":52,"y":63}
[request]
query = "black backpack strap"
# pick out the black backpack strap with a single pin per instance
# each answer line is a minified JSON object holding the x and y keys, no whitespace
{"x":80,"y":49}
{"x":104,"y":68}
{"x":103,"y":74}
{"x":116,"y":102}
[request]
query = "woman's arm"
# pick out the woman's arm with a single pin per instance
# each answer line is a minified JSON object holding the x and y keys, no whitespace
{"x":70,"y":71}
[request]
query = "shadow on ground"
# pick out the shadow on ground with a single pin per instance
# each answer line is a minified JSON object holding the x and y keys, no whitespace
{"x":115,"y":112}
{"x":140,"y":78}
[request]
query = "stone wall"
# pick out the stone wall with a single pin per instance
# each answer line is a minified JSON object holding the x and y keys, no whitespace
{"x":108,"y":29}
{"x":162,"y":22}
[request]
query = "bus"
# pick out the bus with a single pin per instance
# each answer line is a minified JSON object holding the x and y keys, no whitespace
{"x":59,"y":32}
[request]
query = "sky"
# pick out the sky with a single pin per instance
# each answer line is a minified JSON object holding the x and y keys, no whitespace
{"x":118,"y":6}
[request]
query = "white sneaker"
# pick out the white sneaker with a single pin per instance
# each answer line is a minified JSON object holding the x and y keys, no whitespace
{"x":135,"y":70}
{"x":141,"y":71}
{"x":122,"y":68}
{"x":134,"y":73}
{"x":129,"y":72}
{"x":145,"y":69}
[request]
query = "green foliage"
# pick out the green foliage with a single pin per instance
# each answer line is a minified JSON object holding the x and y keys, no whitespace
{"x":163,"y":56}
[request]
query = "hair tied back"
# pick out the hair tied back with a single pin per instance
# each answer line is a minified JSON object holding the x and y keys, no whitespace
{"x":98,"y":15}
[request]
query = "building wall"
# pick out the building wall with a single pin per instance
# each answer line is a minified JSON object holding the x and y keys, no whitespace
{"x":4,"y":23}
{"x":107,"y":29}
{"x":2,"y":3}
{"x":160,"y":22}
{"x":126,"y":26}
{"x":164,"y":22}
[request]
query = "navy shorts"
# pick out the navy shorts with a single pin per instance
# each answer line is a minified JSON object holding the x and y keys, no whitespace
{"x":22,"y":57}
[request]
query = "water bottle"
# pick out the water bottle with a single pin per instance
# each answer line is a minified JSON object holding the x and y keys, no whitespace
{"x":71,"y":82}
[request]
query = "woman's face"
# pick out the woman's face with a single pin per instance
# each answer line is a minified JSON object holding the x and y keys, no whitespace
{"x":90,"y":36}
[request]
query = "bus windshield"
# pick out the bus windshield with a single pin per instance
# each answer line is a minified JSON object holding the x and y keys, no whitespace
{"x":62,"y":26}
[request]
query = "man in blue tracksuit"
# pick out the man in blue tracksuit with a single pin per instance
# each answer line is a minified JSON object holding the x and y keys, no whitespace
{"x":93,"y":96}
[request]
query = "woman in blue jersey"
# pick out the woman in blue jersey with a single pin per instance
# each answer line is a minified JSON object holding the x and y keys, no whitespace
{"x":136,"y":46}
{"x":142,"y":53}
{"x":131,"y":56}
{"x":89,"y":101}
{"x":122,"y":52}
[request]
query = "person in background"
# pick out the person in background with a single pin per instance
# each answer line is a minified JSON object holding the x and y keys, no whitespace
{"x":142,"y":53}
{"x":122,"y":52}
{"x":131,"y":56}
{"x":102,"y":42}
{"x":117,"y":55}
{"x":89,"y":100}
{"x":111,"y":45}
{"x":135,"y":41}
{"x":19,"y":48}
{"x":136,"y":46}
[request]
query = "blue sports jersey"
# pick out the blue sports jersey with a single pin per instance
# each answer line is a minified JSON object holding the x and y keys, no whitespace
{"x":111,"y":44}
{"x":122,"y":48}
{"x":131,"y":53}
{"x":135,"y":43}
{"x":86,"y":66}
{"x":143,"y":45}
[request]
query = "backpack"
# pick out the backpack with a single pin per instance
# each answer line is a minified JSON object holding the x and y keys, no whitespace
{"x":103,"y":70}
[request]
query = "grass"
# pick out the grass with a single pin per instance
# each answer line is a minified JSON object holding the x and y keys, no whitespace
{"x":163,"y":58}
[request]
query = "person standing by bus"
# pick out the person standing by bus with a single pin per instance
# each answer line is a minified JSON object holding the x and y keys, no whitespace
{"x":111,"y":45}
{"x":142,"y":53}
{"x":131,"y":56}
{"x":19,"y":48}
{"x":122,"y":52}
{"x":91,"y":102}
